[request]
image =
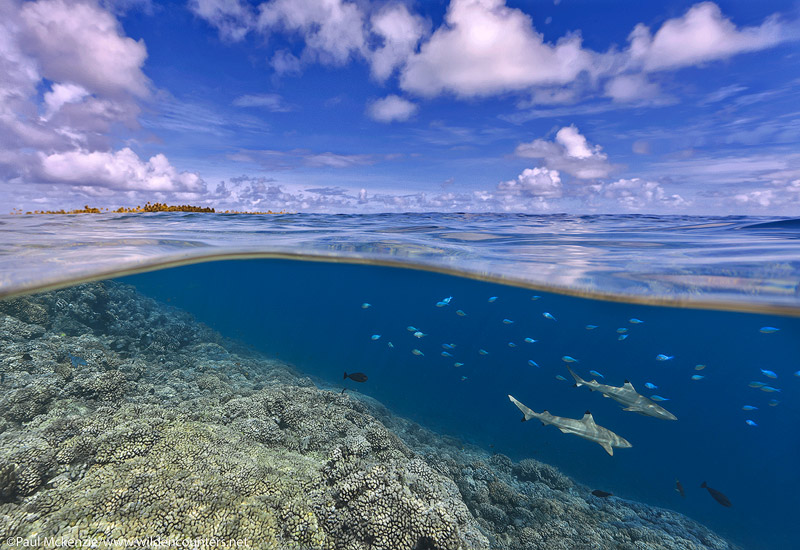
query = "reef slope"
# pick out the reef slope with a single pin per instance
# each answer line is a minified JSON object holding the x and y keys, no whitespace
{"x":122,"y":417}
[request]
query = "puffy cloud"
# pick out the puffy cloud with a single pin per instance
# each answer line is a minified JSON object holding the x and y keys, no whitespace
{"x":570,"y":153}
{"x":333,"y":29}
{"x":487,"y":48}
{"x":631,"y":87}
{"x":123,"y":170}
{"x":391,"y":108}
{"x":534,"y":182}
{"x":81,"y":43}
{"x":637,"y":194}
{"x":232,"y":18}
{"x":703,"y":34}
{"x":400,"y":32}
{"x":285,"y":62}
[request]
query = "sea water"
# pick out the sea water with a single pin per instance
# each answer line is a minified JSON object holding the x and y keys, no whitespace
{"x":338,"y":294}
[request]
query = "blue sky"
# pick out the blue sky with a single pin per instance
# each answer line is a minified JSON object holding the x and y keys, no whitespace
{"x":392,"y":106}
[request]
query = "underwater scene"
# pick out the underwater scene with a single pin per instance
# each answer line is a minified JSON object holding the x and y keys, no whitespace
{"x":385,"y":389}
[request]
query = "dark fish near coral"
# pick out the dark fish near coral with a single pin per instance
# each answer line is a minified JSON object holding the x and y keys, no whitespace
{"x":719,"y":497}
{"x":356,"y":376}
{"x":679,"y":488}
{"x":27,"y":357}
{"x":602,"y":494}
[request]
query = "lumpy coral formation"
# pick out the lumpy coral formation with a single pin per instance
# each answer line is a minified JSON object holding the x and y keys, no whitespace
{"x":120,"y":417}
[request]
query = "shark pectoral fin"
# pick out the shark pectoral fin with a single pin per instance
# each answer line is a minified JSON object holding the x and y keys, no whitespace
{"x":607,"y":446}
{"x":606,"y":396}
{"x":631,"y":409}
{"x":565,"y":431}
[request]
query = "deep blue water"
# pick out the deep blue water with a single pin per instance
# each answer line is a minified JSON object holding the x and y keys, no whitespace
{"x":310,"y":314}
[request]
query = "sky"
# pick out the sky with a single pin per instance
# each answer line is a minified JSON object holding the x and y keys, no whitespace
{"x":357,"y":106}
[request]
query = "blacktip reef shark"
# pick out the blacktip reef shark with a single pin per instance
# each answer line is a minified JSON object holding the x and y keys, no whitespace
{"x":626,"y":395}
{"x":585,"y":427}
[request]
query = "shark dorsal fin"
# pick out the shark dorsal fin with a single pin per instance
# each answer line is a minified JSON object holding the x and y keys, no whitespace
{"x":628,"y":386}
{"x":588,"y":418}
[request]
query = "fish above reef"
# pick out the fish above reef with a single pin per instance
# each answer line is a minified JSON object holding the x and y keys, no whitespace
{"x":699,"y":367}
{"x":622,"y":337}
{"x":390,"y":345}
{"x":585,"y":427}
{"x":797,"y":373}
{"x":375,"y":336}
{"x":508,"y":322}
{"x":697,"y":377}
{"x":449,"y":346}
{"x":568,"y":359}
{"x":492,"y":298}
{"x":356,"y":376}
{"x":750,"y":423}
{"x":419,"y":334}
{"x":635,"y":321}
{"x":446,"y":354}
{"x":532,"y":341}
{"x":533,"y":363}
{"x":512,"y":345}
{"x":658,"y":398}
{"x":622,"y":330}
{"x":679,"y":488}
{"x":77,"y":361}
{"x":411,"y":328}
{"x":483,"y":351}
{"x":756,"y":384}
{"x":662,"y":357}
{"x":535,"y":297}
{"x":719,"y":497}
{"x":773,"y":402}
{"x":415,"y":351}
{"x":769,"y":389}
{"x":650,"y":386}
{"x":627,"y":396}
{"x":768,"y":373}
{"x":460,"y":313}
{"x":559,"y":377}
{"x":602,"y":494}
{"x":458,"y":364}
{"x":547,"y":315}
{"x":595,"y":373}
{"x":768,"y":330}
{"x":749,"y":408}
{"x":445,"y":302}
{"x":366,"y":305}
{"x":590,"y":327}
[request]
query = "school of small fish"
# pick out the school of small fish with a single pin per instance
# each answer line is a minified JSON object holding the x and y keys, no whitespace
{"x":622,"y":333}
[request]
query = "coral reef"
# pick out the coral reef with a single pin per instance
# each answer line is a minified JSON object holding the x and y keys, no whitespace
{"x":121,"y":417}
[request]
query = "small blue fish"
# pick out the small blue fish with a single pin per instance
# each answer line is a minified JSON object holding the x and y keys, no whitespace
{"x":768,"y":373}
{"x":591,"y":327}
{"x":419,"y":334}
{"x":532,"y":341}
{"x":559,"y":377}
{"x":458,"y":364}
{"x":535,"y":297}
{"x":622,"y":330}
{"x":508,"y":322}
{"x":797,"y":373}
{"x":76,"y":361}
{"x":756,"y":384}
{"x":415,"y":351}
{"x":533,"y":363}
{"x":391,"y":345}
{"x":410,"y":328}
{"x":595,"y":373}
{"x":444,"y":302}
{"x":750,"y":423}
{"x":768,"y":389}
{"x":483,"y":352}
{"x":698,"y":377}
{"x":512,"y":345}
{"x":773,"y":402}
{"x":768,"y":330}
{"x":749,"y":408}
{"x":448,"y":346}
{"x":568,"y":359}
{"x":463,"y":378}
{"x":547,"y":315}
{"x":492,"y":299}
{"x":441,"y":304}
{"x":446,"y":354}
{"x":662,"y":357}
{"x":376,"y":336}
{"x":622,"y":337}
{"x":658,"y":398}
{"x":650,"y":386}
{"x":460,"y":313}
{"x":635,"y":321}
{"x":699,"y":367}
{"x":365,"y":305}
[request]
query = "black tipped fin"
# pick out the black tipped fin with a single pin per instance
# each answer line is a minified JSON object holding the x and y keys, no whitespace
{"x":588,"y":412}
{"x":627,"y":382}
{"x":523,"y":419}
{"x":703,"y":485}
{"x":345,"y":375}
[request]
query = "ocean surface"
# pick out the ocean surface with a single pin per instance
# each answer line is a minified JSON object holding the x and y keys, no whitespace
{"x":448,"y":314}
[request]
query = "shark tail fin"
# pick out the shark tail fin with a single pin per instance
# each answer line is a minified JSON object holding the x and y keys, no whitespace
{"x":607,"y":447}
{"x":703,"y":485}
{"x":578,"y":380}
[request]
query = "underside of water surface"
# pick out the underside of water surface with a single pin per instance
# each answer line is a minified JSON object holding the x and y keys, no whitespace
{"x":212,"y":400}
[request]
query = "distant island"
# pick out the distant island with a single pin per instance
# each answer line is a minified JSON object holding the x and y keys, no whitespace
{"x":148,"y":207}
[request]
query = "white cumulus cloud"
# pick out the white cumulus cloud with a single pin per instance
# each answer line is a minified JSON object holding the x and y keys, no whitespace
{"x":534,"y":182}
{"x":400,"y":32}
{"x":636,"y":194}
{"x":485,"y":48}
{"x":122,"y":170}
{"x":570,"y":152}
{"x":391,"y":108}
